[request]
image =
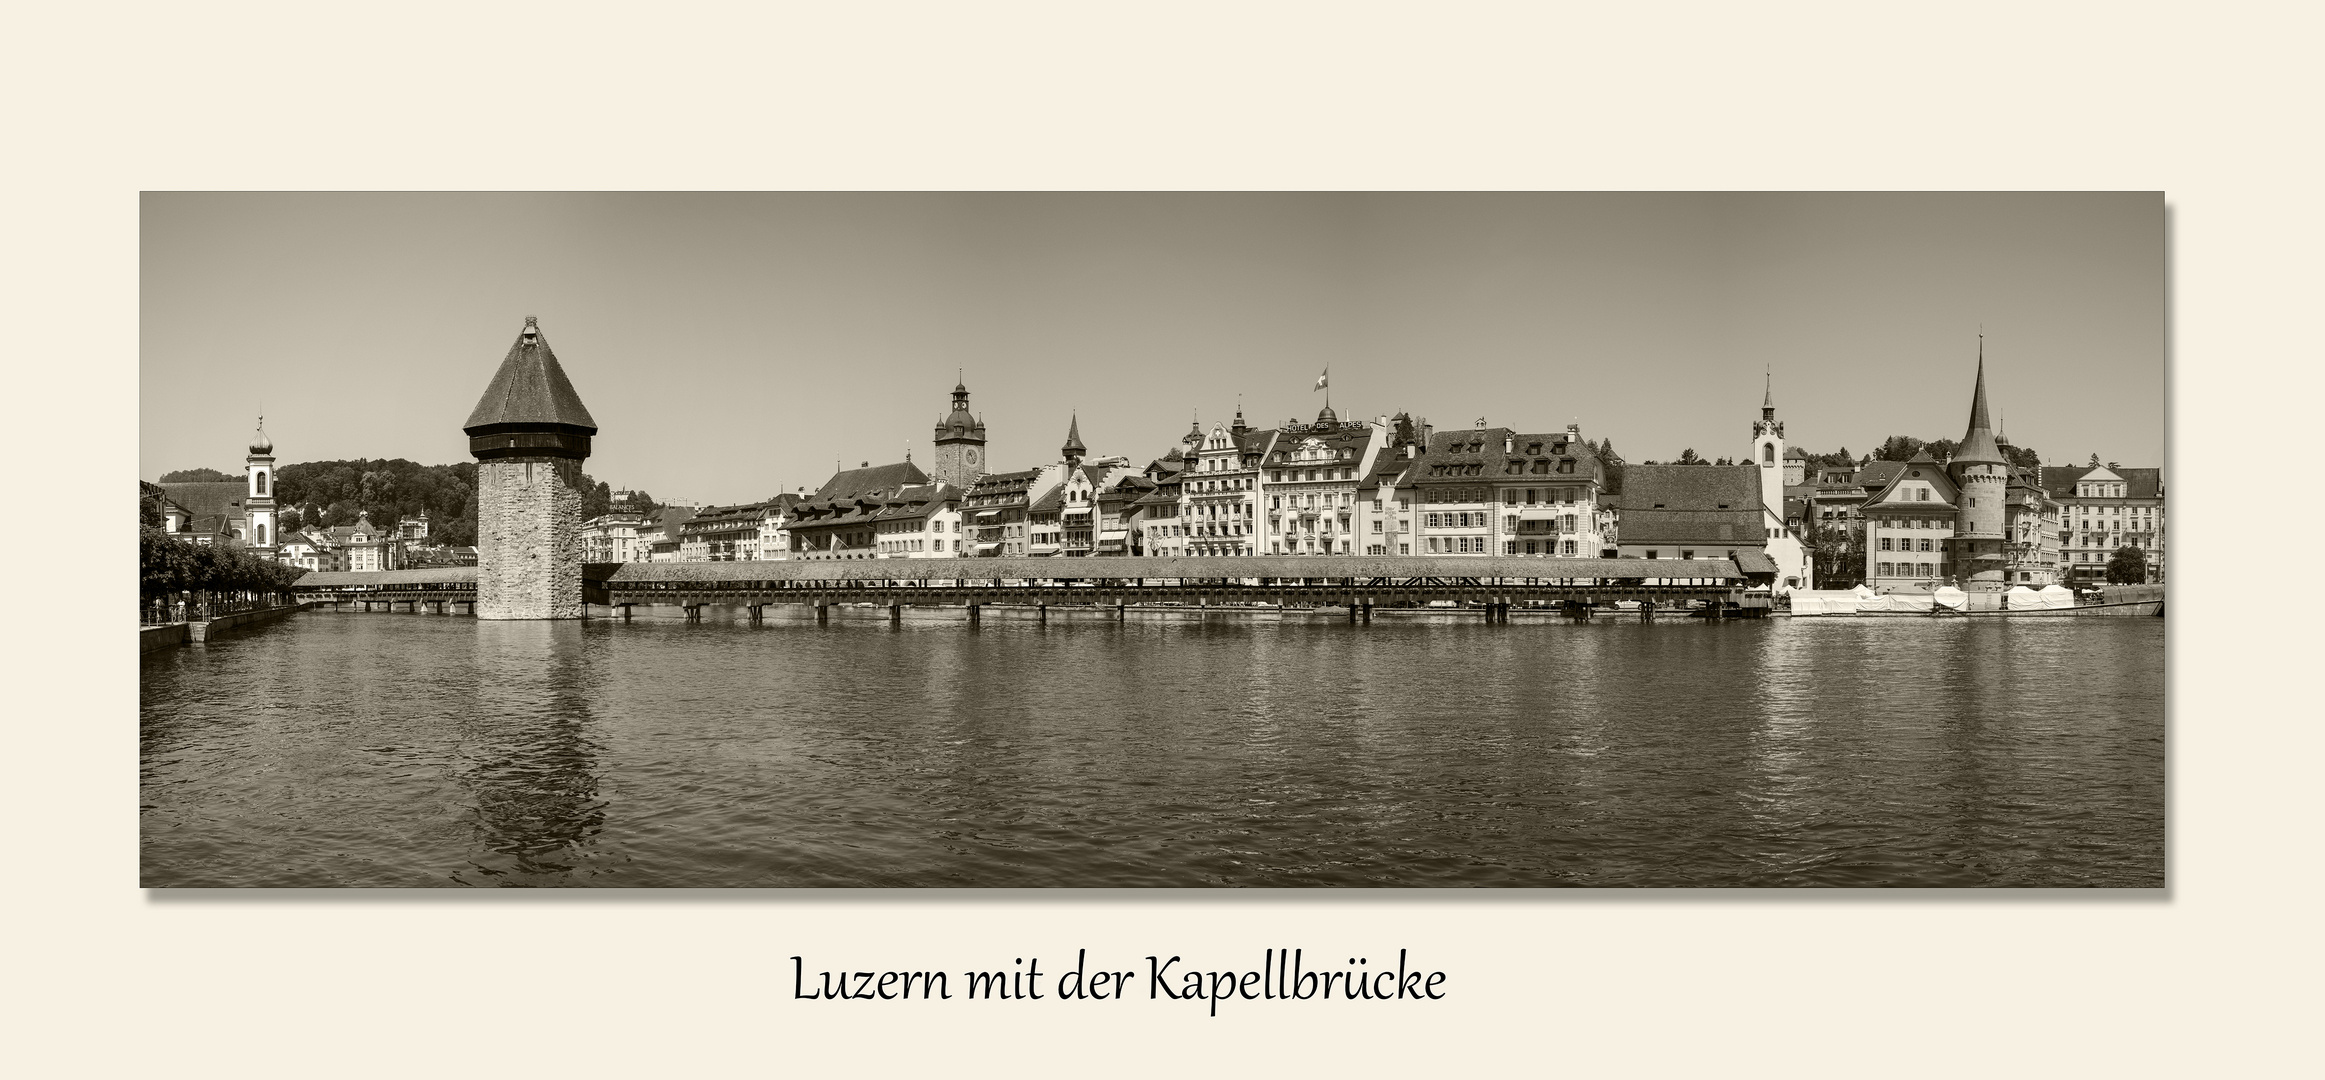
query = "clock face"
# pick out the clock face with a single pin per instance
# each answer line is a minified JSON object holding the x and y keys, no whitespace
{"x":972,"y":457}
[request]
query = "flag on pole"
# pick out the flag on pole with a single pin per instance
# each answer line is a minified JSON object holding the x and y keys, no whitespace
{"x":1323,"y":380}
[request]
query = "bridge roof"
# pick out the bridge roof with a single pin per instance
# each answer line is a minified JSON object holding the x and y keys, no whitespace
{"x":437,"y":575}
{"x":1278,"y":566}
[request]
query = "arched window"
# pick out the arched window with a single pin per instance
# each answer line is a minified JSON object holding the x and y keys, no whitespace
{"x":1767,"y":453}
{"x":262,"y":528}
{"x":262,"y":487}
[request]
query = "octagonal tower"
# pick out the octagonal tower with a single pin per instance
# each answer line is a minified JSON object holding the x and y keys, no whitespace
{"x":529,"y":434}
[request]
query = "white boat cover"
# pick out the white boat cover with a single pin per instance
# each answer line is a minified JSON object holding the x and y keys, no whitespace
{"x":1825,"y":601}
{"x":1950,"y":598}
{"x":1864,"y":592}
{"x":2020,"y":598}
{"x":2057,"y":596}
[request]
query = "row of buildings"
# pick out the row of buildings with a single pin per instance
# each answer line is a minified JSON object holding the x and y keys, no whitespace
{"x":1388,"y":485}
{"x":1394,"y":485}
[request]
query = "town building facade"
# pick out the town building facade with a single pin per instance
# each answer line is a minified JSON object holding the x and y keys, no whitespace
{"x":2103,"y":508}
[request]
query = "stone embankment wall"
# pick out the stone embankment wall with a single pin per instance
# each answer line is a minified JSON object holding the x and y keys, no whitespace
{"x":152,"y":638}
{"x":528,"y":539}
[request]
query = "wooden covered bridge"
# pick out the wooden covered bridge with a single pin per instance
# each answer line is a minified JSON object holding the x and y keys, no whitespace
{"x":1491,"y":585}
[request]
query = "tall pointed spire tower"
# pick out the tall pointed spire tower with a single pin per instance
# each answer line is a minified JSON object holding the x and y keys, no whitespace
{"x":529,"y":434}
{"x":1073,"y":451}
{"x":1983,"y":475}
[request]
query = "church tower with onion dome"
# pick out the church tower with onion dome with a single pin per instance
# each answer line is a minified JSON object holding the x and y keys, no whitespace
{"x":1982,"y":474}
{"x":258,"y":501}
{"x":529,"y":434}
{"x":960,"y":444}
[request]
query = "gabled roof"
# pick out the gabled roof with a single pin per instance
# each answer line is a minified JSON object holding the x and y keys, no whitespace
{"x":1691,"y":504}
{"x":849,"y":483}
{"x":530,"y":388}
{"x":208,"y":504}
{"x":1923,"y":469}
{"x":1689,"y":487}
{"x":1875,"y":475}
{"x":1478,"y":454}
{"x":2060,"y":482}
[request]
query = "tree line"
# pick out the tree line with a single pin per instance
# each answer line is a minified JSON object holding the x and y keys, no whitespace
{"x":323,"y":494}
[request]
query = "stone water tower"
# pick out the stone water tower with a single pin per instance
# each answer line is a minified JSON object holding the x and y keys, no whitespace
{"x":530,"y":434}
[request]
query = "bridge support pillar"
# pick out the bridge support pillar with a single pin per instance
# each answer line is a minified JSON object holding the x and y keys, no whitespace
{"x":823,"y":613}
{"x":1041,"y":612}
{"x":1368,"y":613}
{"x":895,"y":614}
{"x":626,"y":611}
{"x":693,"y":612}
{"x":973,"y":612}
{"x":1352,"y":612}
{"x":758,"y":613}
{"x":1118,"y":612}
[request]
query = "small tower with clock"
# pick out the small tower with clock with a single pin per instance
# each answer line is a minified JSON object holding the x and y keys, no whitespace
{"x":960,"y":444}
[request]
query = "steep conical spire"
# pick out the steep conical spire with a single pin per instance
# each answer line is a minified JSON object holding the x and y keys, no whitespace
{"x":530,"y":390}
{"x":1074,"y":447}
{"x":1978,"y":442}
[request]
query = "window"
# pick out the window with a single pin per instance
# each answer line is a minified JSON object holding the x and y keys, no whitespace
{"x":1687,"y":554}
{"x":1767,"y":453}
{"x":1885,"y":543}
{"x":262,"y":490}
{"x":1888,"y":570}
{"x":1404,"y":549}
{"x":1510,"y":547}
{"x":1570,"y":547}
{"x":1652,"y":553}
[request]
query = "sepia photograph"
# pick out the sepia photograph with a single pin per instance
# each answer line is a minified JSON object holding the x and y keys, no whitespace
{"x":984,"y":540}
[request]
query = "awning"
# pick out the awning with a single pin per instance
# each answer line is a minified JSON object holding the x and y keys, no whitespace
{"x":1076,"y":510}
{"x":1113,"y":534}
{"x":983,"y":548}
{"x":988,"y":513}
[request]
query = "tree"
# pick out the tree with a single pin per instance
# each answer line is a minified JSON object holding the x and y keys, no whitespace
{"x":148,"y":505}
{"x":2022,"y":457}
{"x":1898,"y":448}
{"x":1687,"y":457}
{"x":2128,"y":566}
{"x":290,"y":522}
{"x":197,"y":476}
{"x":1840,"y":564}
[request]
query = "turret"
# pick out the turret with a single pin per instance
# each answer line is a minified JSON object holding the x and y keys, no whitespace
{"x":1982,"y":474}
{"x":1073,"y":450}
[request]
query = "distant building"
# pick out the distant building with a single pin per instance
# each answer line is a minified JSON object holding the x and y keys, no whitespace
{"x":1496,"y":491}
{"x":995,"y":514}
{"x":1981,"y":476}
{"x":1310,"y":475}
{"x":238,"y":512}
{"x":2103,"y":508}
{"x":836,"y":522}
{"x":659,"y":534}
{"x":1909,"y":527}
{"x":920,"y":522}
{"x":1691,"y":512}
{"x":612,"y":537}
{"x":960,"y":444}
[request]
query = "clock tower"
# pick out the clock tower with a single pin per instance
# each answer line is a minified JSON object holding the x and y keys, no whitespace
{"x":960,"y":444}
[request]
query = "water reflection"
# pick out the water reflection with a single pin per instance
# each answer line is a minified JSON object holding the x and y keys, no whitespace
{"x":529,"y":758}
{"x":1165,"y":750}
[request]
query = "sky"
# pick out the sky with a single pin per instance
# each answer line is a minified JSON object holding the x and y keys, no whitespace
{"x":733,"y":346}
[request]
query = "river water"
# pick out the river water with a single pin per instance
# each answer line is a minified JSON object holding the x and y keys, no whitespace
{"x":1174,"y":749}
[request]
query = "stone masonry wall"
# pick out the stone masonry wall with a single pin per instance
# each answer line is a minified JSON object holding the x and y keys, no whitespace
{"x":528,"y":539}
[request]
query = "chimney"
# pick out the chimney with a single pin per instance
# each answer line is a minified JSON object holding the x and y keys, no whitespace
{"x":1509,"y":442}
{"x":1574,"y":429}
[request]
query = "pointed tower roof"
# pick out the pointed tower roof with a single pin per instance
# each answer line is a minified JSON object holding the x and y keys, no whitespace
{"x":1977,"y":446}
{"x":1074,"y":447}
{"x":530,"y":390}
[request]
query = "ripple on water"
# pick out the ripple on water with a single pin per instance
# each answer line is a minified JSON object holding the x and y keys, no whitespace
{"x":418,"y":750}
